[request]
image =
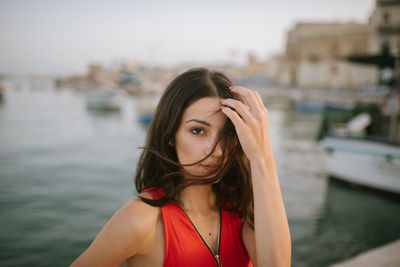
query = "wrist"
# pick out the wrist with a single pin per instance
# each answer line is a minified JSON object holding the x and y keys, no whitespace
{"x":262,"y":159}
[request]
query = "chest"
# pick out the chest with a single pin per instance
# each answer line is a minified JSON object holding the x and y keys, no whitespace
{"x":182,"y":241}
{"x":205,"y":229}
{"x":185,"y":236}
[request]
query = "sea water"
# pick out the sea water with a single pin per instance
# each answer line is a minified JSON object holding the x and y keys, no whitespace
{"x":65,"y":170}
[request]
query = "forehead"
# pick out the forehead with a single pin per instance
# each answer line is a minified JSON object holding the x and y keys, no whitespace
{"x":204,"y":108}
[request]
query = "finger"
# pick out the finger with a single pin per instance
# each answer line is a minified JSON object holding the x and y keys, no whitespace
{"x":248,"y":95}
{"x":239,"y":107}
{"x":259,"y":100}
{"x":261,"y":107}
{"x":234,"y":117}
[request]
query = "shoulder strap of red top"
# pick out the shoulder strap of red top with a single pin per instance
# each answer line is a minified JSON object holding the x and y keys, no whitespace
{"x":155,"y":192}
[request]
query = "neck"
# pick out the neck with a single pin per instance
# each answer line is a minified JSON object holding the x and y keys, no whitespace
{"x":198,"y":198}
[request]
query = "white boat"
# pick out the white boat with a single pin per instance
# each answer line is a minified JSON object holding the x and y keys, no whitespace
{"x":368,"y":163}
{"x":359,"y":150}
{"x":366,"y":150}
{"x":104,"y":100}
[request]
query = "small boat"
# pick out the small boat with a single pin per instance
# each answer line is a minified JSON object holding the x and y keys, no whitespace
{"x":107,"y":100}
{"x":146,"y":118}
{"x":366,"y":149}
{"x":2,"y":91}
{"x":358,"y":150}
{"x":369,"y":163}
{"x":309,"y":106}
{"x":146,"y":107}
{"x":318,"y":106}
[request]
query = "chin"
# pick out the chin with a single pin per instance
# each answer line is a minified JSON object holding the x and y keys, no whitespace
{"x":201,"y":172}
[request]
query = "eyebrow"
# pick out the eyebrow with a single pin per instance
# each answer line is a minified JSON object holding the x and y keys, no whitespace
{"x":199,"y":121}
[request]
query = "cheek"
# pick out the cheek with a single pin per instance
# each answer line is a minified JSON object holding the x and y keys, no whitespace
{"x":189,"y":149}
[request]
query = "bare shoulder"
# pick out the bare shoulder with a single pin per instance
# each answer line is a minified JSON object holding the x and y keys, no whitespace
{"x":136,"y":217}
{"x":126,"y":234}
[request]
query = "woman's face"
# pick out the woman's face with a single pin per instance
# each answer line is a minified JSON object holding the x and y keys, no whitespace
{"x":199,"y":128}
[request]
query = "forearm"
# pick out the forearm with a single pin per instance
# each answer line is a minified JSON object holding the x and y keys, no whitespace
{"x":272,"y":235}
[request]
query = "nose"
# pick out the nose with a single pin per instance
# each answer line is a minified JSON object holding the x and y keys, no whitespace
{"x":217,"y":151}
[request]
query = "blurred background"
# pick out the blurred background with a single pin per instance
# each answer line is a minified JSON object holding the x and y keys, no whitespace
{"x":79,"y":81}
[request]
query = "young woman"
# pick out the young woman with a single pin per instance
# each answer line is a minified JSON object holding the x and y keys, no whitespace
{"x":209,"y":193}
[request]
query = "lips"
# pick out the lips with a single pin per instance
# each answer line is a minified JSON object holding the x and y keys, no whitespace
{"x":211,"y":167}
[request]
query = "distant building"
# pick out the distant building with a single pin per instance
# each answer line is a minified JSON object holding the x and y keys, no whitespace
{"x":254,"y":67}
{"x":385,"y":26}
{"x":316,"y":56}
{"x":318,"y":41}
{"x":316,"y":53}
{"x":95,"y":73}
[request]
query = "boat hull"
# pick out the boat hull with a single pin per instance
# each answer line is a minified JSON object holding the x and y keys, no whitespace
{"x":104,"y":100}
{"x":367,"y":163}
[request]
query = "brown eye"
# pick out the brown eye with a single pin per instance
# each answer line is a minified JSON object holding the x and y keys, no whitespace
{"x":197,"y":131}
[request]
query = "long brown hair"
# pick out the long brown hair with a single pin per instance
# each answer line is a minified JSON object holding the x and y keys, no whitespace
{"x":158,"y":165}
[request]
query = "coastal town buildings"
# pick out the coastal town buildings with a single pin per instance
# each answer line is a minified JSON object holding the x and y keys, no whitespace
{"x":252,"y":68}
{"x":316,"y":53}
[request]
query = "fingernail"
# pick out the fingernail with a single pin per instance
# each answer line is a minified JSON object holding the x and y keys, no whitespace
{"x":221,"y":100}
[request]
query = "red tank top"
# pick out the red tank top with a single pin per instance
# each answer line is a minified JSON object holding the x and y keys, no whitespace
{"x":185,"y":247}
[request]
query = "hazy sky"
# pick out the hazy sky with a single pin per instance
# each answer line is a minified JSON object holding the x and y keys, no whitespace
{"x":63,"y":36}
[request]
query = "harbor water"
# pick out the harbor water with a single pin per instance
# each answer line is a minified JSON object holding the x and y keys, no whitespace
{"x":65,"y":169}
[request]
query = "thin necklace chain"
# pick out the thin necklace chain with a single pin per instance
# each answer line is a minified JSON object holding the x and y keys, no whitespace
{"x":216,"y":255}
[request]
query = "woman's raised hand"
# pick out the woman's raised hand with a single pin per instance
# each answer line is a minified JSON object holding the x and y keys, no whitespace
{"x":251,"y":122}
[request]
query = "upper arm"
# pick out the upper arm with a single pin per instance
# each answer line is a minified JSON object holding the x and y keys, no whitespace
{"x":249,"y":241}
{"x":122,"y":237}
